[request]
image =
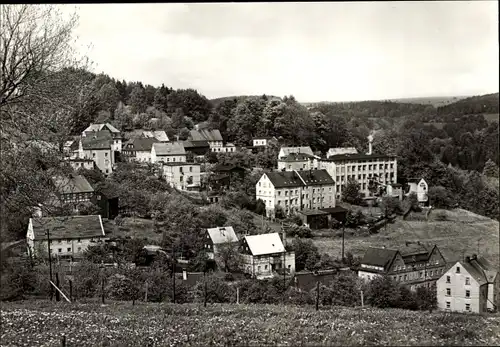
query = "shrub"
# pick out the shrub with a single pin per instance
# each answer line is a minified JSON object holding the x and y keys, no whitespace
{"x":120,"y":287}
{"x":218,"y":290}
{"x":299,"y":231}
{"x":296,"y":296}
{"x":441,"y":216}
{"x":383,"y":292}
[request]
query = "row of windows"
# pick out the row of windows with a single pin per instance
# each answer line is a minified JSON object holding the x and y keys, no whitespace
{"x":411,"y":267}
{"x":340,"y":179}
{"x":354,"y":168}
{"x":467,"y":280}
{"x":59,"y":250}
{"x":448,"y":306}
{"x":467,"y":293}
{"x":420,"y":274}
{"x":77,"y":196}
{"x":69,"y":240}
{"x":266,"y":267}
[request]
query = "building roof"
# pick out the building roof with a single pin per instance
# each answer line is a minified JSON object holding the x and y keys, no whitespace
{"x":265,"y":244}
{"x":336,"y":209}
{"x":304,"y":149}
{"x":359,"y":156}
{"x":379,"y":257}
{"x":67,"y":227}
{"x":205,"y":134}
{"x":97,"y":140}
{"x":296,"y":157}
{"x":180,"y":163}
{"x":476,"y":273}
{"x":264,"y":138}
{"x":100,"y":127}
{"x":316,"y":177}
{"x":160,"y":135}
{"x":170,"y":148}
{"x":72,"y":184}
{"x":195,"y":144}
{"x":282,"y":179}
{"x":226,"y":168}
{"x":222,"y":235}
{"x":307,"y":212}
{"x":140,"y":144}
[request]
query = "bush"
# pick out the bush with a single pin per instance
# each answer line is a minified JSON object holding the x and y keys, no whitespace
{"x":441,"y":216}
{"x":218,"y":290}
{"x":382,"y":292}
{"x":120,"y":287}
{"x":294,"y":296}
{"x":300,"y":231}
{"x":440,"y":197}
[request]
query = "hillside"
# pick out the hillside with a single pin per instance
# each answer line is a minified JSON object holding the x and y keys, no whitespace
{"x":435,"y":101}
{"x":44,"y":323}
{"x":473,"y":105}
{"x":215,"y":102}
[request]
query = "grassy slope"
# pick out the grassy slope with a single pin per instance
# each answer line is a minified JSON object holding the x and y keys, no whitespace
{"x":37,"y":323}
{"x":459,"y":233}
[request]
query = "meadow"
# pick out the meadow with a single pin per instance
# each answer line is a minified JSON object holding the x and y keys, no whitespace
{"x":37,"y":323}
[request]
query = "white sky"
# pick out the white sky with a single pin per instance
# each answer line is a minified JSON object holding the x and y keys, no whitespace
{"x":314,"y":51}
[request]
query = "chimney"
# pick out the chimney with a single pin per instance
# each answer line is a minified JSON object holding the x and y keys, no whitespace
{"x":474,"y":257}
{"x":467,"y":259}
{"x":370,"y":140}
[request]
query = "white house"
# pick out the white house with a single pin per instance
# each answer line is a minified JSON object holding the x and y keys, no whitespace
{"x":296,"y":161}
{"x":285,"y":151}
{"x":216,"y":237}
{"x":168,"y":152}
{"x":139,"y":148}
{"x":182,"y":175}
{"x":68,"y":236}
{"x":265,"y":255}
{"x":212,"y":136}
{"x":420,"y":188}
{"x":116,"y":144}
{"x":97,"y":146}
{"x":263,"y":141}
{"x":296,"y":190}
{"x":80,"y":163}
{"x":472,"y":285}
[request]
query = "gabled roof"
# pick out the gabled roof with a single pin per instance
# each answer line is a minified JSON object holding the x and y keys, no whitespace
{"x":160,"y":135}
{"x":264,"y":138}
{"x":196,"y":144}
{"x":379,"y":257}
{"x":72,"y":184}
{"x":316,"y":177}
{"x":288,"y":150}
{"x":97,"y":140}
{"x":281,"y":179}
{"x":222,"y":235}
{"x":170,"y":148}
{"x":205,"y":134}
{"x":476,"y":273}
{"x":265,"y":244}
{"x":140,"y":144}
{"x":67,"y":227}
{"x":100,"y":127}
{"x":484,"y":267}
{"x":296,"y":157}
{"x":226,"y":168}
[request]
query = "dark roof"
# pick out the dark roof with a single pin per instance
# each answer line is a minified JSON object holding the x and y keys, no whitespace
{"x":67,"y":227}
{"x":140,"y":144}
{"x":169,"y":148}
{"x":219,"y":177}
{"x":72,"y":184}
{"x":225,"y":168}
{"x":337,"y":209}
{"x":264,"y":138}
{"x":97,"y":140}
{"x":281,"y":179}
{"x":379,"y":257}
{"x":205,"y":134}
{"x":195,"y":144}
{"x":108,"y":192}
{"x":359,"y":156}
{"x":316,"y":177}
{"x":313,"y":212}
{"x":296,"y":157}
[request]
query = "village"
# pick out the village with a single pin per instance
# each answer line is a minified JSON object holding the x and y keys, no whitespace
{"x":307,"y":186}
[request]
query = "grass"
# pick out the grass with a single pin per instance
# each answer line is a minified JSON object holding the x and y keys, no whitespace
{"x":134,"y":227}
{"x":118,"y":324}
{"x":455,"y":237}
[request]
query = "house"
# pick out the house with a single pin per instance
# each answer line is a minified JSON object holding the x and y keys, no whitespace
{"x":182,"y":175}
{"x":159,"y":135}
{"x":168,"y":152}
{"x":68,"y":236}
{"x":296,"y":161}
{"x":296,"y":190}
{"x":285,"y":151}
{"x":108,"y":202}
{"x":360,"y":167}
{"x":97,"y":146}
{"x":264,"y":141}
{"x":116,"y":145}
{"x":139,"y":149}
{"x":73,"y":189}
{"x":413,"y":265}
{"x":80,"y":163}
{"x":472,"y":285}
{"x":420,"y":188}
{"x":215,"y":238}
{"x":314,"y":219}
{"x":224,"y":174}
{"x":197,"y":148}
{"x":264,"y":255}
{"x":212,"y":136}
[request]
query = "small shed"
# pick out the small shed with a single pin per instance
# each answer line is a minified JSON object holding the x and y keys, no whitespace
{"x":107,"y":200}
{"x":314,"y":219}
{"x":337,"y":212}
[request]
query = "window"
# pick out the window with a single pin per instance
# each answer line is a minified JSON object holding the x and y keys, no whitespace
{"x":467,"y":307}
{"x":59,"y":250}
{"x":265,"y":267}
{"x":93,"y":155}
{"x":107,"y":171}
{"x":467,"y":280}
{"x":69,"y":249}
{"x":79,"y":249}
{"x":467,"y":294}
{"x":458,"y":269}
{"x":106,"y":154}
{"x":400,"y":278}
{"x":448,"y":305}
{"x":279,"y":193}
{"x":190,"y":169}
{"x":448,"y":291}
{"x":258,"y":268}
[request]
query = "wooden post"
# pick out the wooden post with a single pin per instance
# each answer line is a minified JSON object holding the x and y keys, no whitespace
{"x":70,"y":289}
{"x":317,"y":296}
{"x":58,"y":296}
{"x":173,"y":275}
{"x":343,"y":232}
{"x":362,"y":300}
{"x":205,"y":291}
{"x":63,"y":341}
{"x":50,"y":264}
{"x":102,"y":288}
{"x":146,"y":293}
{"x":238,"y":295}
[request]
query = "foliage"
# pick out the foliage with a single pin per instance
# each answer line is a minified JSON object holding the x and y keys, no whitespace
{"x":299,"y":231}
{"x":390,"y":206}
{"x":383,"y":292}
{"x":440,"y":197}
{"x":228,"y":256}
{"x":279,"y":212}
{"x":217,"y":290}
{"x":351,"y":192}
{"x":306,"y":254}
{"x":490,"y":169}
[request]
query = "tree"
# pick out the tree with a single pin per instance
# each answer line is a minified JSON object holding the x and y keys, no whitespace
{"x":178,"y":118}
{"x":138,"y":100}
{"x":306,"y":254}
{"x":279,"y":212}
{"x":490,"y":169}
{"x":440,"y":197}
{"x":390,"y":206}
{"x":383,"y":292}
{"x":351,"y":193}
{"x":109,"y":97}
{"x":228,"y":256}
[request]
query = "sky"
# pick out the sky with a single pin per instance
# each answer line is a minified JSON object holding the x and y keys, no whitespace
{"x":342,"y":51}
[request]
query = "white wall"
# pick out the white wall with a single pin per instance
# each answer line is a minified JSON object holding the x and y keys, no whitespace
{"x":103,"y":159}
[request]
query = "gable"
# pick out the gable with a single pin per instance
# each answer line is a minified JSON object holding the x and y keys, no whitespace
{"x":397,"y":263}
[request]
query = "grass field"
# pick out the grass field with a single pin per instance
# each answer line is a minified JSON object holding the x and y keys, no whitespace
{"x":456,"y":236}
{"x":37,"y":323}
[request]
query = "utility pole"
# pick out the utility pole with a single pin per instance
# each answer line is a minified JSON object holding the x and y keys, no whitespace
{"x":50,"y":262}
{"x":173,"y":274}
{"x":343,"y":236}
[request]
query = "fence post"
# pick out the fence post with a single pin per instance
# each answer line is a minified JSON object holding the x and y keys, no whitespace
{"x":317,"y":296}
{"x":102,"y":289}
{"x":146,"y":293}
{"x":205,"y":291}
{"x":238,"y":295}
{"x":58,"y":296}
{"x":71,"y":290}
{"x":362,"y":299}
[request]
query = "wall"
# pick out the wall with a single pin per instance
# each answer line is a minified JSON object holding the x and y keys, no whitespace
{"x":170,"y":158}
{"x":103,"y":159}
{"x":295,"y":165}
{"x":262,"y":266}
{"x":75,"y":247}
{"x":178,"y":179}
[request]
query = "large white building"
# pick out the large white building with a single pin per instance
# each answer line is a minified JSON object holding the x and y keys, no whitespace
{"x":296,"y":190}
{"x":139,"y":149}
{"x":285,"y":151}
{"x":95,"y":146}
{"x":168,"y":152}
{"x":183,"y":176}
